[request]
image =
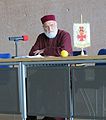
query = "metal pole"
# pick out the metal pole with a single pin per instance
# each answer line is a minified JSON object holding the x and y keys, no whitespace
{"x":16,"y":48}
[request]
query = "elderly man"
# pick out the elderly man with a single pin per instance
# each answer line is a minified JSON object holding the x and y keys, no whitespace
{"x":53,"y":40}
{"x":50,"y":43}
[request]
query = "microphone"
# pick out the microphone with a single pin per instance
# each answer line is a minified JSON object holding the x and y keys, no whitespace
{"x":23,"y":38}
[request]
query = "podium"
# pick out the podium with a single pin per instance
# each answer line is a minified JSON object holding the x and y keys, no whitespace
{"x":52,"y":86}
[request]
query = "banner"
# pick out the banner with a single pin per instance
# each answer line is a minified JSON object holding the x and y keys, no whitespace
{"x":81,"y":35}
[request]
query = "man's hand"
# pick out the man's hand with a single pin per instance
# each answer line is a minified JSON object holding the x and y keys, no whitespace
{"x":38,"y":51}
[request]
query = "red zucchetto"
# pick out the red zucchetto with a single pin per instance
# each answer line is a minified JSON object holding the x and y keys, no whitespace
{"x":47,"y":18}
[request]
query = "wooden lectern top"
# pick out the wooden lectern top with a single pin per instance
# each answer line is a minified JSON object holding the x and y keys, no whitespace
{"x":52,"y":58}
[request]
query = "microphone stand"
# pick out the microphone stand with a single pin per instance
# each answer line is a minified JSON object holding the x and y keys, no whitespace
{"x":16,"y":39}
{"x":16,"y":48}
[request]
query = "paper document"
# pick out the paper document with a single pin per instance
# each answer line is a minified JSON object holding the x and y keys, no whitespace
{"x":36,"y":56}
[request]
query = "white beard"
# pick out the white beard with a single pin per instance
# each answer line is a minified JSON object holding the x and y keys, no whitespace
{"x":51,"y":34}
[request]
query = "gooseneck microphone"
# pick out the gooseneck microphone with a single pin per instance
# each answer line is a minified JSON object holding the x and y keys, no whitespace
{"x":23,"y":38}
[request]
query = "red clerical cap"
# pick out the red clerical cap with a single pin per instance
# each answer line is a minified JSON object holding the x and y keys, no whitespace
{"x":47,"y":18}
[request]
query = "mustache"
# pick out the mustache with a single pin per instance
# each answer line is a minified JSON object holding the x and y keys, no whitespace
{"x":51,"y":34}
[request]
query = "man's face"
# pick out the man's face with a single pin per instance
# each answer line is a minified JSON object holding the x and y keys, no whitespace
{"x":50,"y":28}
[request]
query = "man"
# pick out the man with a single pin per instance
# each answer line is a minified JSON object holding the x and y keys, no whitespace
{"x":50,"y":43}
{"x":53,"y":40}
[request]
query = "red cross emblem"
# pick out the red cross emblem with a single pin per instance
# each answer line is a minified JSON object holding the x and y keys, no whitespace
{"x":81,"y":37}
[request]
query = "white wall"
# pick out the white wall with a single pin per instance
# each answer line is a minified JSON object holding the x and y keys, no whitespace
{"x":22,"y":17}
